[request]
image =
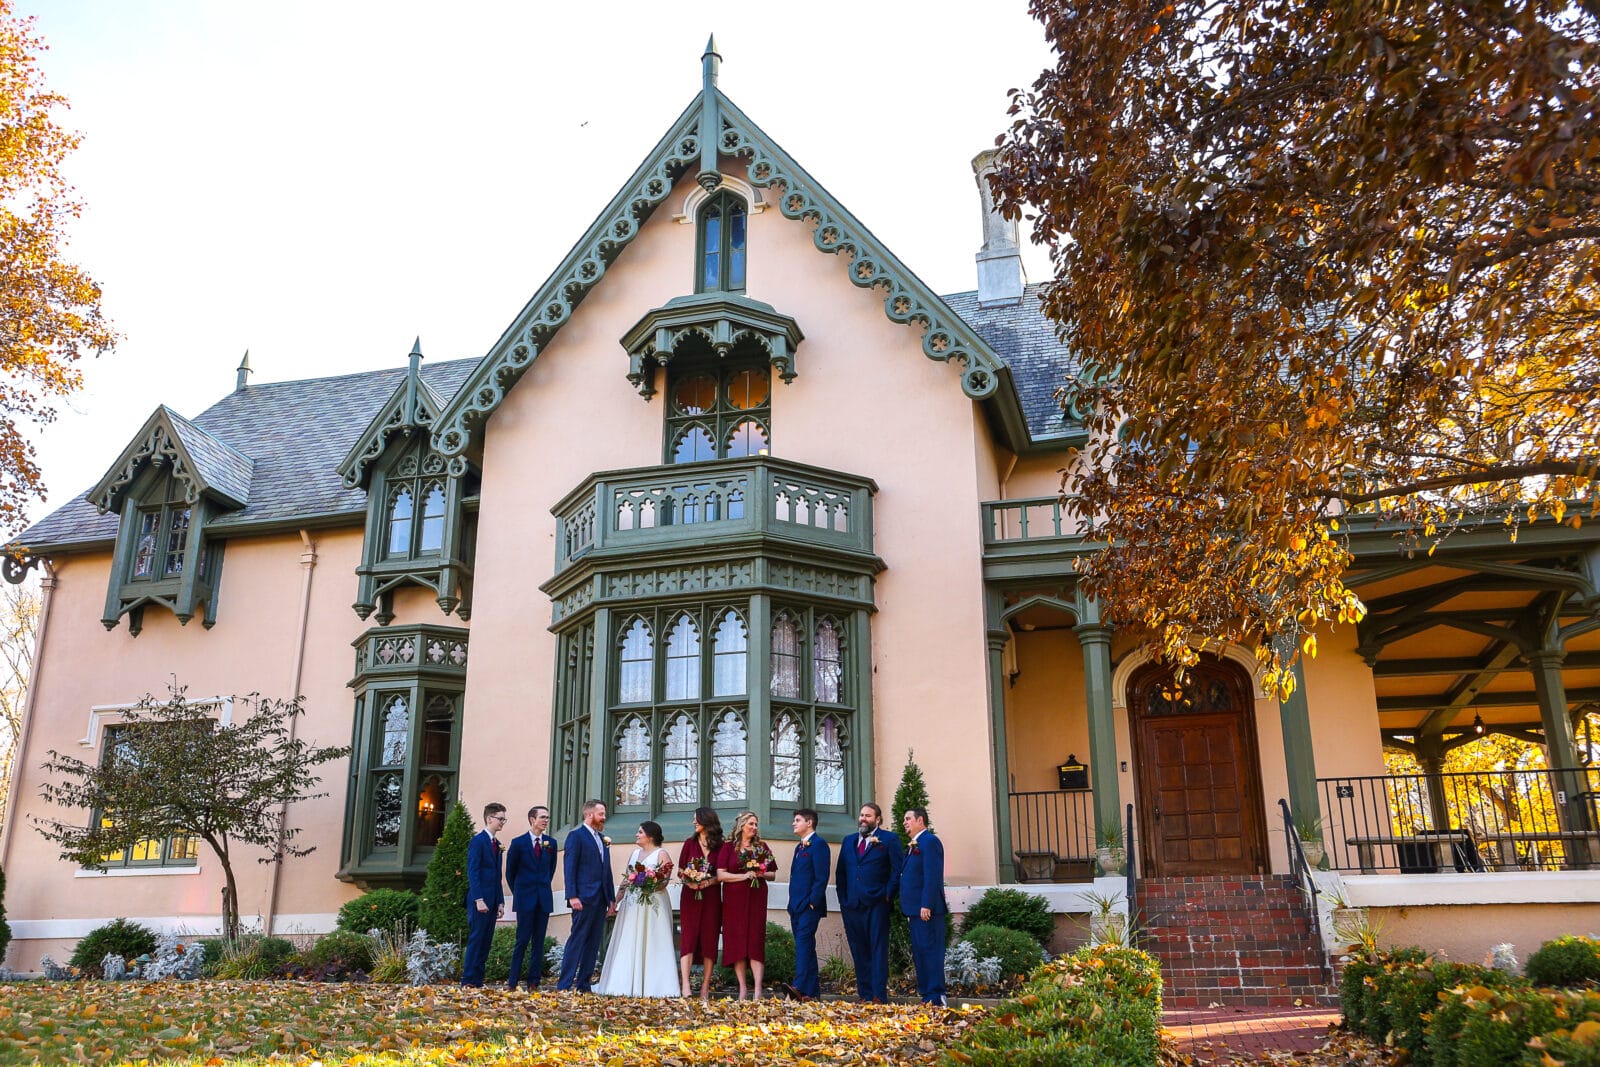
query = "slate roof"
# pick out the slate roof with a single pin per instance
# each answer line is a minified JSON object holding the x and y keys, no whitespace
{"x":1026,"y":340}
{"x":288,"y":437}
{"x":279,"y":445}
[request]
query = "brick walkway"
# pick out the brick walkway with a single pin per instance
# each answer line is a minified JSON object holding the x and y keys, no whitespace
{"x":1245,"y":1035}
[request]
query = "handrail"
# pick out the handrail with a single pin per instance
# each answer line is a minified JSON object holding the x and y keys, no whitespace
{"x":1133,"y":880}
{"x":1301,"y":868}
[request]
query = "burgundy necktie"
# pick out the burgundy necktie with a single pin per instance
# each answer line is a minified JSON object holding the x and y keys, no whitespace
{"x":861,"y":847}
{"x":536,"y":847}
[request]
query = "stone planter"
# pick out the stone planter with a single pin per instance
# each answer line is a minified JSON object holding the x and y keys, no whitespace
{"x":1349,"y":924}
{"x":1108,"y":928}
{"x":1112,"y":860}
{"x":1315,"y":852}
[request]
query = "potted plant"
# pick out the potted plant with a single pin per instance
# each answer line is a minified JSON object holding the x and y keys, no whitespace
{"x":1112,"y":856}
{"x":1309,"y":829}
{"x":1350,"y":924}
{"x":1108,"y":921}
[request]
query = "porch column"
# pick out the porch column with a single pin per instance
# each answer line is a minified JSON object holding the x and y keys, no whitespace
{"x":1095,"y":637}
{"x":1562,"y":748}
{"x":1430,"y":756}
{"x":1298,"y":758}
{"x":998,"y":635}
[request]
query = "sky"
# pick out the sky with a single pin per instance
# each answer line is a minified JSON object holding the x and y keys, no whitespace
{"x":319,"y":183}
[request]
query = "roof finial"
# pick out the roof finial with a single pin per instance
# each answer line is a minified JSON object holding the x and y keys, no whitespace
{"x":244,"y":372}
{"x":413,"y":373}
{"x":710,"y":119}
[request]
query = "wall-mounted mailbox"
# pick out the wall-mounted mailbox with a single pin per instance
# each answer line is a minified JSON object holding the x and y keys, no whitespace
{"x":1072,"y":774}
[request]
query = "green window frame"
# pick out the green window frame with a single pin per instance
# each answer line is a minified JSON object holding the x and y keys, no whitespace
{"x":415,"y":506}
{"x":177,"y":850}
{"x":679,"y":708}
{"x":814,"y":708}
{"x":721,"y":245}
{"x":718,"y":410}
{"x":410,"y":738}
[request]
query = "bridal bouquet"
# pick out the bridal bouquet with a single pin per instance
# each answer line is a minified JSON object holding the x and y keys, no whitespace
{"x":697,"y":875}
{"x":756,"y":861}
{"x":646,"y":882}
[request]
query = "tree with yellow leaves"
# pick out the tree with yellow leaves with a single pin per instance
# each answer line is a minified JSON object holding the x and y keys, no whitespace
{"x":1318,"y":261}
{"x":49,"y":308}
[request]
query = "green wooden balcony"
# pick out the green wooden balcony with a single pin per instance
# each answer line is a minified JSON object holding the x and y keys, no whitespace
{"x":682,"y":506}
{"x":1029,"y":537}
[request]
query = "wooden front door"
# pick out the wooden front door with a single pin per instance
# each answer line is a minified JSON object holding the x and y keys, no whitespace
{"x":1197,"y":772}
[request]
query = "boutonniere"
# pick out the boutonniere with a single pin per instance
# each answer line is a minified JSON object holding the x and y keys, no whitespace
{"x":498,"y":847}
{"x":915,"y":851}
{"x":873,"y":841}
{"x":606,"y":839}
{"x":803,"y":847}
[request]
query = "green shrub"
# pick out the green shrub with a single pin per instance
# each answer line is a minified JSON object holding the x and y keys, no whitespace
{"x":1496,"y":1028}
{"x":339,"y":955}
{"x":1444,"y":1047}
{"x":1014,"y":910}
{"x":780,"y":954}
{"x":1358,"y":989}
{"x":127,"y":939}
{"x":443,"y":910}
{"x":1100,"y":1005}
{"x":251,"y":957}
{"x":1018,"y":953}
{"x":1576,"y":1043}
{"x":1566,"y":961}
{"x":1410,"y":995}
{"x":501,"y":945}
{"x":381,"y":909}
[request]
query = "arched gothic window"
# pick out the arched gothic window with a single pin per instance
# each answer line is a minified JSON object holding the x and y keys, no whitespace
{"x":731,"y":660}
{"x":785,"y":657}
{"x":633,"y":764}
{"x":723,"y":233}
{"x":638,"y":663}
{"x":786,"y":759}
{"x":431,"y":537}
{"x":400,"y":518}
{"x":827,"y":671}
{"x":683,"y":660}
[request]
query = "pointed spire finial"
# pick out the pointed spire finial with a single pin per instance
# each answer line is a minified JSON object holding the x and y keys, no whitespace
{"x":244,"y":372}
{"x":711,"y":59}
{"x":413,"y":374}
{"x":710,"y":119}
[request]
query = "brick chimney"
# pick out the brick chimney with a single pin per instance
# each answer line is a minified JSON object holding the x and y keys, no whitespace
{"x":1000,"y":273}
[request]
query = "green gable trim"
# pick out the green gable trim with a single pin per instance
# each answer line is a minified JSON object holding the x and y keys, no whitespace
{"x":202,"y":464}
{"x":906,"y":299}
{"x":413,"y":405}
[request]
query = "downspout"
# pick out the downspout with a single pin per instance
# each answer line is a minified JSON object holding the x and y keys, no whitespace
{"x":308,"y":564}
{"x":48,"y":584}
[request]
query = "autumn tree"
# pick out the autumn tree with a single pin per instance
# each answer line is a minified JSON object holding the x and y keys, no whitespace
{"x":19,"y":618}
{"x":49,"y":308}
{"x":172,"y":769}
{"x":1316,"y":261}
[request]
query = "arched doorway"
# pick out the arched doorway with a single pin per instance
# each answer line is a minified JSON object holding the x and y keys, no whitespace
{"x":1197,"y":771}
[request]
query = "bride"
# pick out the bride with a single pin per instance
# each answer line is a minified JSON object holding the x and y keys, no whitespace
{"x":641,"y":960}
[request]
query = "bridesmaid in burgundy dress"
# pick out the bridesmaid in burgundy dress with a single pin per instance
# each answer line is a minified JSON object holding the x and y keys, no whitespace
{"x":744,"y":868}
{"x":700,"y":904}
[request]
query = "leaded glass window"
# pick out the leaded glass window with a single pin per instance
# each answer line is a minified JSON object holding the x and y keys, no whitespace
{"x":633,"y":764}
{"x":728,"y":780}
{"x":724,"y":224}
{"x":680,"y":777}
{"x":785,"y":657}
{"x":827,"y":665}
{"x":722,"y":411}
{"x":638,"y":663}
{"x":683,"y":660}
{"x":144,"y":554}
{"x":827,"y":763}
{"x":432,"y":534}
{"x":786,"y":758}
{"x":400,"y":518}
{"x":730,"y":662}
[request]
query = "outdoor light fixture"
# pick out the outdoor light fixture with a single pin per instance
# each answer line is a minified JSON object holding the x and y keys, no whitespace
{"x":1477,"y":725}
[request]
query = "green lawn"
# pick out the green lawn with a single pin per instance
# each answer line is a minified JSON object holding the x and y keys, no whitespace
{"x":215,"y":1022}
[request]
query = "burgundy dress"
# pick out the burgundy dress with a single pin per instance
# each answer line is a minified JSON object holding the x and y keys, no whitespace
{"x":701,"y":919}
{"x":744,"y":912}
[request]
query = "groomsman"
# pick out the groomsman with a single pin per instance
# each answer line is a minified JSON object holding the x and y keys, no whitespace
{"x":530,"y":866}
{"x":867,"y":879}
{"x":486,"y":901}
{"x":590,"y":895}
{"x":922,"y":902}
{"x":808,"y":901}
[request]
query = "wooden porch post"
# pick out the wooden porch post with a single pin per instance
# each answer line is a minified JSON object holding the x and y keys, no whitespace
{"x":1298,"y":757}
{"x":1430,"y":755}
{"x":1095,"y":637}
{"x":999,"y":759}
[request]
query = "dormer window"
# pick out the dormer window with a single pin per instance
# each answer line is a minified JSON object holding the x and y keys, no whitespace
{"x":411,"y":535}
{"x":722,"y":244}
{"x":163,"y":534}
{"x":719,"y":411}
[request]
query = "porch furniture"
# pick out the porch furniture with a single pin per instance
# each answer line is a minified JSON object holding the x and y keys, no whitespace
{"x":1420,"y":853}
{"x":1506,"y":844}
{"x":1036,"y":866}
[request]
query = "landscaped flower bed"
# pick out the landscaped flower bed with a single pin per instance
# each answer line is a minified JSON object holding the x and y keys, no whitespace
{"x":214,"y":1021}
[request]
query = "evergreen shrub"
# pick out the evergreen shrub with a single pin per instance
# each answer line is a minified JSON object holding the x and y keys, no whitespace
{"x":1014,"y":910}
{"x":780,"y":955}
{"x":381,"y":909}
{"x":1018,"y":953}
{"x":250,"y":957}
{"x":121,"y":936}
{"x":1571,"y":960}
{"x":443,"y":910}
{"x":338,"y":955}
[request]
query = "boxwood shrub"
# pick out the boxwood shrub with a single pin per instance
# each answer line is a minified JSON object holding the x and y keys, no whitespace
{"x":1566,"y":961}
{"x":1018,"y":953}
{"x":126,"y":938}
{"x":381,"y":909}
{"x":1014,"y":910}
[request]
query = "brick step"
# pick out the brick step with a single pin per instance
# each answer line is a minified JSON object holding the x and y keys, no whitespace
{"x":1233,"y":998}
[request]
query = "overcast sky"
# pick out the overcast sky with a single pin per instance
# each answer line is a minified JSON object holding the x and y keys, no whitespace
{"x":321,"y":182}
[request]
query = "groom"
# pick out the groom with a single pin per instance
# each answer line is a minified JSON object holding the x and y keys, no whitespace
{"x":867,"y":879}
{"x":590,"y":895}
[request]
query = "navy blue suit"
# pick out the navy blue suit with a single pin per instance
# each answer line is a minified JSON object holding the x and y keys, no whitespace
{"x":866,"y":883}
{"x":922,"y":886}
{"x":808,"y":903}
{"x":588,"y":879}
{"x":483,"y":883}
{"x":529,"y":870}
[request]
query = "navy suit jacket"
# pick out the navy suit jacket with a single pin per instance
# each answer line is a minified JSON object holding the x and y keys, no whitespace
{"x":528,"y":875}
{"x":866,"y":880}
{"x":808,"y":878}
{"x":922,"y":878}
{"x":587,"y":868}
{"x":483,"y":871}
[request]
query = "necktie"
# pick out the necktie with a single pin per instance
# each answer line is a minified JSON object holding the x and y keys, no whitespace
{"x":536,"y":847}
{"x":861,"y":846}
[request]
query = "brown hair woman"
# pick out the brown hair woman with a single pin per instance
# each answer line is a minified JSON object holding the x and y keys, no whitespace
{"x":700,"y":905}
{"x":746,"y":866}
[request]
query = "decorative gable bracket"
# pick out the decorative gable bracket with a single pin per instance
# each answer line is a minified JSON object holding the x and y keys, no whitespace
{"x":202,"y":464}
{"x":723,"y":320}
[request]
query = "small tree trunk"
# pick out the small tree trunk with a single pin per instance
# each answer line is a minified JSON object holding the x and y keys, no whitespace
{"x":230,"y":901}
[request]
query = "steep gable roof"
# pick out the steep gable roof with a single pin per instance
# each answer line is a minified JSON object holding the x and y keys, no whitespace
{"x":412,"y":405}
{"x":906,"y":299}
{"x":200,"y":462}
{"x":295,"y":433}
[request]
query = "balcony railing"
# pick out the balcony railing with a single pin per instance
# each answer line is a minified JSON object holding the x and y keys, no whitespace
{"x":1033,"y":518}
{"x":1052,"y":835}
{"x":1520,"y":820}
{"x":656,"y":507}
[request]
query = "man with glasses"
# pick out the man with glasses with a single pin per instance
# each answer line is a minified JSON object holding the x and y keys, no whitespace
{"x":486,"y":900}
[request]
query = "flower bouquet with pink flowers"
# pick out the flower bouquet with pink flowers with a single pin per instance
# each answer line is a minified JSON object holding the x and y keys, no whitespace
{"x":696,"y":875}
{"x":645,"y":882}
{"x":756,"y":861}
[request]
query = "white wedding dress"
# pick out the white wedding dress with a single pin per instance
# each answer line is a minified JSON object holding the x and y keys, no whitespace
{"x":641,"y":960}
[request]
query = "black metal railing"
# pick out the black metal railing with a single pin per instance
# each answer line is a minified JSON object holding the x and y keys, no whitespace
{"x":1132,"y":888}
{"x":1517,"y":820}
{"x":1300,"y":866}
{"x":1052,"y":835}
